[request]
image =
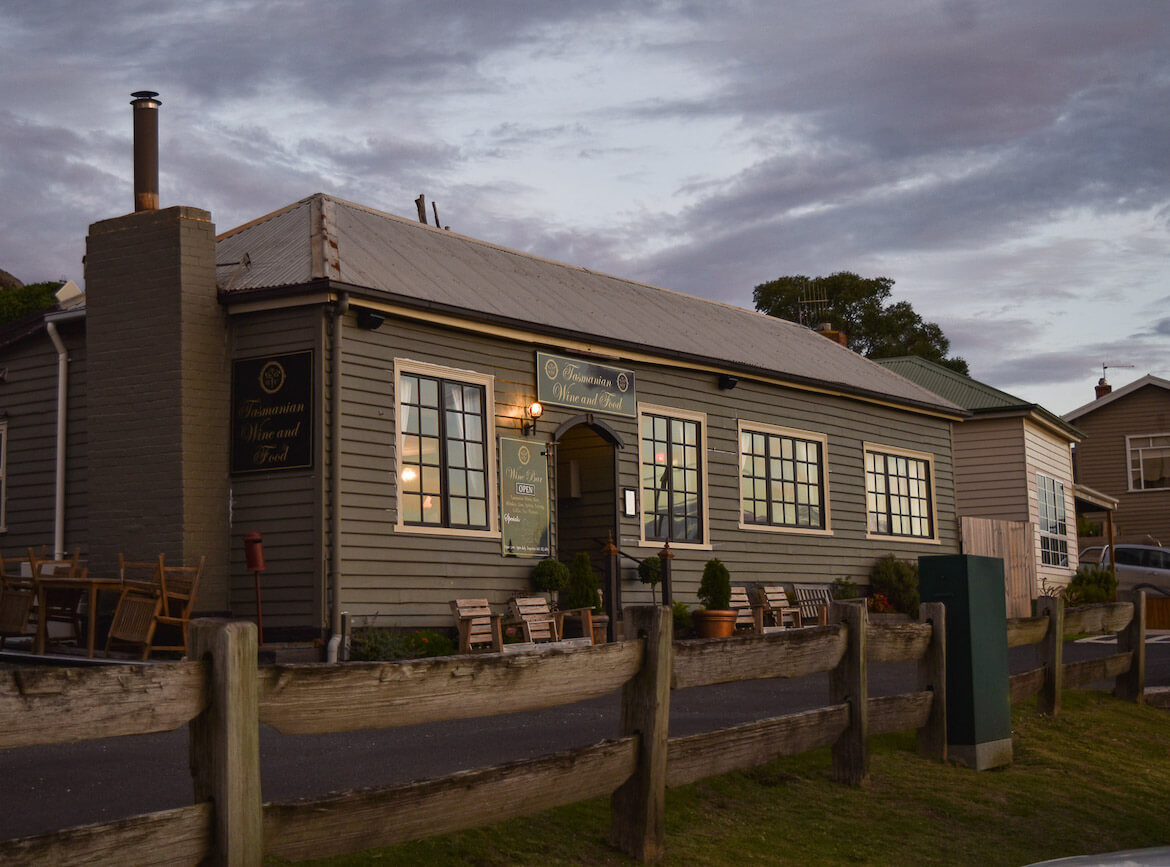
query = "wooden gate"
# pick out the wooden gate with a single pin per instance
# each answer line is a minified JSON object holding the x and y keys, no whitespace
{"x":1011,"y":541}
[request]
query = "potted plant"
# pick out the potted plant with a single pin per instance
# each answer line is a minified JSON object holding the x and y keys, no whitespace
{"x":715,"y":619}
{"x":550,"y":576}
{"x":584,"y":591}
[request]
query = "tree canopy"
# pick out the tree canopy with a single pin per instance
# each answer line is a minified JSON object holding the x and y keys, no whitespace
{"x":857,"y":306}
{"x":20,"y":301}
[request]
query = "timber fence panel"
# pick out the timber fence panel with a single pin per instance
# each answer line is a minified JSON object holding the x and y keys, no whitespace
{"x":318,"y":698}
{"x":791,"y":653}
{"x":353,"y":821}
{"x":44,"y":705}
{"x":1097,"y":619}
{"x":896,"y":642}
{"x":179,"y":836}
{"x":1022,"y":631}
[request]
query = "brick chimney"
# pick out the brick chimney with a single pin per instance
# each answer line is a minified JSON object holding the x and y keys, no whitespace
{"x":1103,"y":388}
{"x":825,"y":329}
{"x":158,"y":394}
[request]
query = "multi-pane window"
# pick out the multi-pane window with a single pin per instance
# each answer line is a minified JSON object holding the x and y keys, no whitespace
{"x":672,"y":473}
{"x":1051,"y":517}
{"x":898,"y":495}
{"x":781,"y":480}
{"x":1149,"y":462}
{"x":443,"y":465}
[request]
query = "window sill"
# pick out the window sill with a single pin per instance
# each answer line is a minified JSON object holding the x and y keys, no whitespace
{"x":890,"y":537}
{"x":415,"y":530}
{"x":799,"y":531}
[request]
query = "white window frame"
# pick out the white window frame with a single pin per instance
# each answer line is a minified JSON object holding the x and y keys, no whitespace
{"x":645,"y":409}
{"x":752,"y":427}
{"x":925,"y":457}
{"x":1132,"y":450}
{"x":1059,"y":518}
{"x":471,"y":377}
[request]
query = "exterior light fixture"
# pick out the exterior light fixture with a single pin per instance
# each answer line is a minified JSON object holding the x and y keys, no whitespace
{"x":370,"y":320}
{"x":727,"y":381}
{"x":534,"y":411}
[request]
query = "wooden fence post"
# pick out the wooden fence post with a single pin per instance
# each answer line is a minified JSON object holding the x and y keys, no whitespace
{"x":225,"y":740}
{"x":848,"y":684}
{"x":1051,"y":654}
{"x":638,"y":806}
{"x":1131,"y":685}
{"x":932,"y":676}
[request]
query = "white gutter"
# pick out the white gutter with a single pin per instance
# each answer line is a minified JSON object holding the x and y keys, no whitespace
{"x":62,"y":416}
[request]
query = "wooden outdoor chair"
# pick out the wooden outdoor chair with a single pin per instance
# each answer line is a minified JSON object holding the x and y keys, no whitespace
{"x":813,"y":600}
{"x":178,"y":586}
{"x":745,"y":611}
{"x":140,"y":604}
{"x":541,"y":622}
{"x":778,"y":608}
{"x":18,"y":597}
{"x":62,"y":605}
{"x":479,"y":627}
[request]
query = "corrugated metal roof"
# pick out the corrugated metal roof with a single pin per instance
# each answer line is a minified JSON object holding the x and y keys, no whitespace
{"x":323,"y":237}
{"x":971,"y":394}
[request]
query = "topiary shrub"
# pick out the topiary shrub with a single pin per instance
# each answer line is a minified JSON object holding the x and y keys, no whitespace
{"x":650,"y":571}
{"x":550,"y":576}
{"x":584,"y":588}
{"x":1091,"y":585}
{"x":897,"y":580}
{"x":845,"y":588}
{"x":715,"y":586}
{"x":684,"y":626}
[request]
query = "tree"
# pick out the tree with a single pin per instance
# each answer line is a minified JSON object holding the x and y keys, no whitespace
{"x":20,"y":301}
{"x":857,"y":306}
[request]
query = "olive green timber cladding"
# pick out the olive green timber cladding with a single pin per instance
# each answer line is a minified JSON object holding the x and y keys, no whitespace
{"x":286,"y":507}
{"x":990,"y":469}
{"x":159,"y":394}
{"x":29,"y":397}
{"x":1101,"y":460}
{"x":405,"y":579}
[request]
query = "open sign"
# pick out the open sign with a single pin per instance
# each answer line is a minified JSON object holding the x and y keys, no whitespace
{"x":525,"y":490}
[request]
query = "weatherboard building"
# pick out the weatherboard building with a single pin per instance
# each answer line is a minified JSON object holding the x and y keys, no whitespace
{"x":359,"y":388}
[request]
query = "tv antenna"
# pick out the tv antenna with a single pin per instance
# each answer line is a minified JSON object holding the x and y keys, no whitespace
{"x":814,"y":306}
{"x":1105,"y":365}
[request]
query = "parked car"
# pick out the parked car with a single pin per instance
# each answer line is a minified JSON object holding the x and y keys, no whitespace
{"x":1135,"y":564}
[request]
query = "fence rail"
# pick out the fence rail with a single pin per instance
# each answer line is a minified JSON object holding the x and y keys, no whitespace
{"x":225,"y":698}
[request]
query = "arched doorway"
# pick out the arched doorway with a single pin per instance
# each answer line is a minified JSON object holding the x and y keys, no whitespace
{"x":586,"y":491}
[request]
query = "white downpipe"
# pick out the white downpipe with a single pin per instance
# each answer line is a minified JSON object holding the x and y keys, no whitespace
{"x":62,"y":413}
{"x":339,"y":311}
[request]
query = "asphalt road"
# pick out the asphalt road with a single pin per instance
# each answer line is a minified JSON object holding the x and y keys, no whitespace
{"x":47,"y":788}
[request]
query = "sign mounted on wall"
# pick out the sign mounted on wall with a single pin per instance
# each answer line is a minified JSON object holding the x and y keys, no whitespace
{"x":585,"y":385}
{"x":524,"y":508}
{"x":272,"y":413}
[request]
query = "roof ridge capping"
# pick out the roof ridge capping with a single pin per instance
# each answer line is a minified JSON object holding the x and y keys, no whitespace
{"x":1093,"y":405}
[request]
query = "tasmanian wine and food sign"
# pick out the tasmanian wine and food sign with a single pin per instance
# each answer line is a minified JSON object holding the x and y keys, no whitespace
{"x":524,"y":509}
{"x":585,"y":385}
{"x":272,"y":413}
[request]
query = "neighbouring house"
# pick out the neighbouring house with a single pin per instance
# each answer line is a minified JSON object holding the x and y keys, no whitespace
{"x":408,"y":415}
{"x":1126,"y":454}
{"x":1013,"y":463}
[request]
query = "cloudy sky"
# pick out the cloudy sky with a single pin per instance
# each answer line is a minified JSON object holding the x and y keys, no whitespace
{"x":1006,"y":163}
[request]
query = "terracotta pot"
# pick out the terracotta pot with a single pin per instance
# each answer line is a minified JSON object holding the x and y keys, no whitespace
{"x":713,"y":624}
{"x":600,"y":628}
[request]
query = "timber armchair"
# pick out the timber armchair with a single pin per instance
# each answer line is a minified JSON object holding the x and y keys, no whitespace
{"x":140,"y":604}
{"x":178,"y":586}
{"x":747,"y":614}
{"x":479,"y":627}
{"x":18,"y":596}
{"x":540,"y":622}
{"x":813,"y":600}
{"x":62,"y":604}
{"x":777,"y":610}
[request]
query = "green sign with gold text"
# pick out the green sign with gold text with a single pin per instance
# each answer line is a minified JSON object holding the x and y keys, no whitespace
{"x":272,"y":413}
{"x":524,"y":508}
{"x":585,"y":385}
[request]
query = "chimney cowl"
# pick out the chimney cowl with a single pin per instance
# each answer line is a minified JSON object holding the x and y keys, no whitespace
{"x":146,"y":103}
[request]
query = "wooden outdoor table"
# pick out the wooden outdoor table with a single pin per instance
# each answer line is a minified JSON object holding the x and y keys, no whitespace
{"x":89,"y":585}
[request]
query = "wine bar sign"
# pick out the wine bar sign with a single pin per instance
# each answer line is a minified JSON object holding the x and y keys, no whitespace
{"x":272,"y":413}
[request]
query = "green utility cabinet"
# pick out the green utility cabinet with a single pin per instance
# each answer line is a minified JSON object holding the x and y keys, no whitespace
{"x":979,"y":707}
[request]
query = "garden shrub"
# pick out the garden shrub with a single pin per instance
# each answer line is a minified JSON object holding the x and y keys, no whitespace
{"x":684,"y":625}
{"x":584,"y":587}
{"x":1092,"y":585}
{"x":845,"y":588}
{"x":897,"y":580}
{"x":650,"y":571}
{"x":382,"y":645}
{"x":550,"y":576}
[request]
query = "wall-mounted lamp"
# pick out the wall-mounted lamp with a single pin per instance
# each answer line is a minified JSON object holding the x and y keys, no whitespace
{"x":727,"y":381}
{"x":371,"y":320}
{"x":534,"y":411}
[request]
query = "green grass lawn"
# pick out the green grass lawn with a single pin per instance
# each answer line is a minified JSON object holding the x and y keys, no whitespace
{"x":1094,"y":779}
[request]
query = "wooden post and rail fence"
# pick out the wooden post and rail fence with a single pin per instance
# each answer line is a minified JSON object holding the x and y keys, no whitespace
{"x":224,"y":697}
